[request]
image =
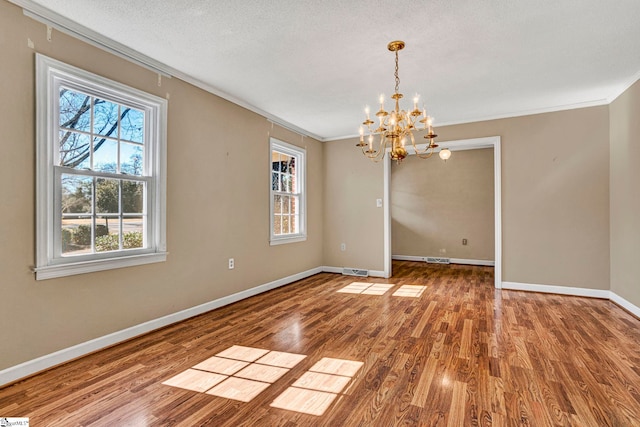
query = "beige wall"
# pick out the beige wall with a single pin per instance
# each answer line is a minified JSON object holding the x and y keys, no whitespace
{"x":436,"y":204}
{"x":555,"y":197}
{"x":625,"y":194}
{"x":352,"y":184}
{"x":217,"y":206}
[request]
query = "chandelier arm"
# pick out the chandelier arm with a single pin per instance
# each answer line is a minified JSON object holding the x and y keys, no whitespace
{"x":424,"y":156}
{"x":428,"y":151}
{"x":375,"y":155}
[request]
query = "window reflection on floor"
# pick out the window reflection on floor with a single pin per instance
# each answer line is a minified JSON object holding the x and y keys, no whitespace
{"x":317,"y":388}
{"x":238,"y":373}
{"x":366,"y":288}
{"x":242,"y":373}
{"x":409,"y":291}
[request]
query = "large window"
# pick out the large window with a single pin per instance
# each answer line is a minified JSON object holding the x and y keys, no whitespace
{"x":101,"y":165}
{"x":288,"y":219}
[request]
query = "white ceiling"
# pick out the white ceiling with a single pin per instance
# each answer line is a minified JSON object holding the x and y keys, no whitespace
{"x":314,"y":64}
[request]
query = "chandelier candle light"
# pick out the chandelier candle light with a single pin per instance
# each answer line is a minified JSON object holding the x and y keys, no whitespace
{"x":396,"y":126}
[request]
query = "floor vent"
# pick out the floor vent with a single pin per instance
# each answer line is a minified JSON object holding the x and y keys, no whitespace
{"x":436,"y":260}
{"x":355,"y":272}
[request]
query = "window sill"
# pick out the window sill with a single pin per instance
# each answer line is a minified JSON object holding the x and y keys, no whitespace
{"x":283,"y":240}
{"x":70,"y":269}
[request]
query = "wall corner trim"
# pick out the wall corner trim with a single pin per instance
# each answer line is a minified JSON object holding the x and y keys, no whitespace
{"x":31,"y":367}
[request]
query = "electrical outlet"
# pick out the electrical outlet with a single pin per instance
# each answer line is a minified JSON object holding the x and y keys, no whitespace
{"x":343,"y":247}
{"x":464,"y":242}
{"x":232,"y":264}
{"x":379,"y":203}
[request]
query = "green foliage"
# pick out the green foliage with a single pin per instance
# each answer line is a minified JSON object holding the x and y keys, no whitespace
{"x":82,"y":235}
{"x":67,"y":237}
{"x":101,"y":230}
{"x":110,"y":242}
{"x":132,"y":240}
{"x":107,"y":243}
{"x":107,"y":200}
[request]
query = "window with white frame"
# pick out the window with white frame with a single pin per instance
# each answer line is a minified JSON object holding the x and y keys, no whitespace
{"x":288,"y":204}
{"x":101,"y":163}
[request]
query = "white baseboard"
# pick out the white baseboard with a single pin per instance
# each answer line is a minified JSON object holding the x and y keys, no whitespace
{"x":376,"y":273}
{"x":551,"y":289}
{"x":408,"y":258}
{"x":576,"y":292}
{"x":484,"y":262}
{"x":372,"y":273}
{"x":452,"y":260}
{"x":34,"y":366}
{"x":633,"y":309}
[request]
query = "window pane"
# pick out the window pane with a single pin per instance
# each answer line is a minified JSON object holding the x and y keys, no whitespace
{"x":74,"y":150}
{"x":132,"y":196}
{"x":76,"y":235}
{"x":275,"y":181}
{"x":76,"y":193}
{"x":107,"y":195}
{"x":293,"y":186}
{"x":285,"y":224}
{"x":291,"y":166}
{"x":105,"y":118}
{"x":293,"y":224}
{"x":105,"y":155}
{"x":284,"y":163}
{"x":132,"y":125}
{"x":285,"y":204}
{"x":277,"y":202}
{"x":131,"y":159}
{"x":107,"y":234}
{"x":133,"y":232}
{"x":294,"y":205}
{"x":75,"y":110}
{"x":277,"y":224}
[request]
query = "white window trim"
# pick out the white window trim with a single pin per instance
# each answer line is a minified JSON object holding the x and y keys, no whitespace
{"x":49,"y":74}
{"x":301,"y":154}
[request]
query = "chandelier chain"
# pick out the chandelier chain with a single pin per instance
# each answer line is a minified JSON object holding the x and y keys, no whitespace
{"x":396,"y":73}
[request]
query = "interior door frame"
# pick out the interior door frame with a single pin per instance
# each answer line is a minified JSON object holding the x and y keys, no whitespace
{"x":457,"y":145}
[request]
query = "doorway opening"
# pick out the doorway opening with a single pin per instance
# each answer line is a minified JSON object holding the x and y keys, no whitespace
{"x":458,"y":145}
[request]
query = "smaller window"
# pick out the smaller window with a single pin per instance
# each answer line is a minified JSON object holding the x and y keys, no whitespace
{"x":288,"y":204}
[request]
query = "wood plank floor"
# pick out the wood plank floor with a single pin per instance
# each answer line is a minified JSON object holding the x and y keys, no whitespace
{"x":460,"y":354}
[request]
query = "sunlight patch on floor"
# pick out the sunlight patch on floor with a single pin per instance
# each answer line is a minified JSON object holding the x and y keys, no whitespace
{"x":238,"y":373}
{"x":195,"y":380}
{"x":366,"y":288}
{"x":413,"y":291}
{"x":317,"y":388}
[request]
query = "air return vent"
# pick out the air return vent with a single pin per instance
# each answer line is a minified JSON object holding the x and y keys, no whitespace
{"x":437,"y":260}
{"x":355,"y":272}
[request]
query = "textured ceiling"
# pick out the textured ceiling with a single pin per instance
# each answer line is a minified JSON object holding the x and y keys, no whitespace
{"x":316,"y":63}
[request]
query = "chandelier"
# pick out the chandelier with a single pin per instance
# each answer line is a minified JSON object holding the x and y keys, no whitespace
{"x":397,"y":126}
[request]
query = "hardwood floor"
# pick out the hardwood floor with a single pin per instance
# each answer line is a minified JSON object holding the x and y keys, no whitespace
{"x":460,"y":354}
